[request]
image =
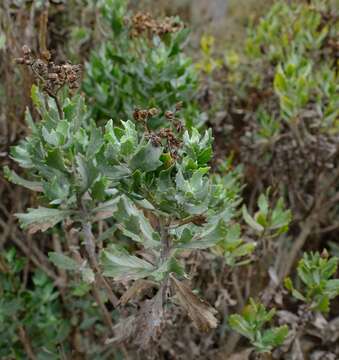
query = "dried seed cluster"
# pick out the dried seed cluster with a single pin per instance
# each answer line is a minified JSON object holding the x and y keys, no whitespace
{"x":143,"y":115}
{"x":169,"y":134}
{"x":144,"y":23}
{"x":51,"y":77}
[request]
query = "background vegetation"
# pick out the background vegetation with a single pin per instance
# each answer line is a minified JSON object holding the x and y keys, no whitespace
{"x":167,"y":193}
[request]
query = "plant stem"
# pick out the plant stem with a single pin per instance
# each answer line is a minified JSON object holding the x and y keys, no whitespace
{"x":26,"y":343}
{"x":165,"y":241}
{"x":57,"y":102}
{"x":106,"y":315}
{"x":90,"y":249}
{"x":297,"y":246}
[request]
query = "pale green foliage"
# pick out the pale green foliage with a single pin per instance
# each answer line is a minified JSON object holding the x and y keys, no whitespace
{"x":252,"y":324}
{"x":287,"y":28}
{"x":269,"y":127}
{"x":37,"y":309}
{"x":288,"y":55}
{"x":142,"y":71}
{"x":316,"y":273}
{"x":273,"y":221}
{"x":87,"y":172}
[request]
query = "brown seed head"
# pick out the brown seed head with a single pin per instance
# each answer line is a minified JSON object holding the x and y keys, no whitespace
{"x":169,"y":115}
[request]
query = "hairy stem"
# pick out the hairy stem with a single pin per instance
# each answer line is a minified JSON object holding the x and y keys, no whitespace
{"x":165,"y":241}
{"x":90,"y":249}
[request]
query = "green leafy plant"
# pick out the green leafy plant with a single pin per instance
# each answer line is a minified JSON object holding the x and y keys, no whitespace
{"x":33,"y":313}
{"x":132,"y":206}
{"x":252,"y":324}
{"x":297,"y":41}
{"x":268,"y":127}
{"x":302,"y":32}
{"x":316,"y":274}
{"x":140,"y":65}
{"x":207,"y":64}
{"x":273,"y":221}
{"x":152,"y":188}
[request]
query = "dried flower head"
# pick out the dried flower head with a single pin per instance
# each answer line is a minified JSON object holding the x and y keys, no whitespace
{"x":173,"y":143}
{"x":142,"y":115}
{"x":178,"y":125}
{"x":49,"y":76}
{"x":169,"y":115}
{"x":154,"y":138}
{"x":144,"y":23}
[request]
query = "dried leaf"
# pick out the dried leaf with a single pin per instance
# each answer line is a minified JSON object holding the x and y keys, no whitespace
{"x":138,"y":287}
{"x":323,"y":355}
{"x":333,"y":330}
{"x":124,"y":330}
{"x":150,"y":319}
{"x":296,"y":351}
{"x":243,"y":355}
{"x":201,"y":313}
{"x":144,"y":327}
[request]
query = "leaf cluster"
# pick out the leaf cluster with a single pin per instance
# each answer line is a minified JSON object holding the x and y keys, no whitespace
{"x":251,"y":324}
{"x":143,"y":71}
{"x":86,"y":172}
{"x":316,"y":273}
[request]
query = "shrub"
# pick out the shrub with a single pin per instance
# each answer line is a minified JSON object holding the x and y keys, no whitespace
{"x":251,"y":325}
{"x":315,"y":272}
{"x":154,"y":185}
{"x":133,"y":209}
{"x":279,"y":110}
{"x":140,"y":65}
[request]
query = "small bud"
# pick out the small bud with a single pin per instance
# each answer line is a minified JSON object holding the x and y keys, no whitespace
{"x":136,"y":114}
{"x":199,"y":220}
{"x":140,"y":115}
{"x":179,"y":126}
{"x":154,"y":138}
{"x":169,"y":114}
{"x":325,"y":254}
{"x":178,"y":105}
{"x":153,"y":112}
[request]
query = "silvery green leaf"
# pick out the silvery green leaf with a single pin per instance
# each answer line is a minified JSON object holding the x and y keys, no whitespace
{"x":95,"y":141}
{"x":88,"y":172}
{"x":208,"y":236}
{"x":106,"y":209}
{"x":250,"y":221}
{"x":63,"y":262}
{"x":129,"y":140}
{"x":146,"y":158}
{"x":115,"y":172}
{"x":239,"y":324}
{"x":134,"y":224}
{"x":20,"y":153}
{"x":41,"y":218}
{"x":51,"y":137}
{"x":55,"y":160}
{"x":13,"y":177}
{"x":87,"y":275}
{"x":119,"y":264}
